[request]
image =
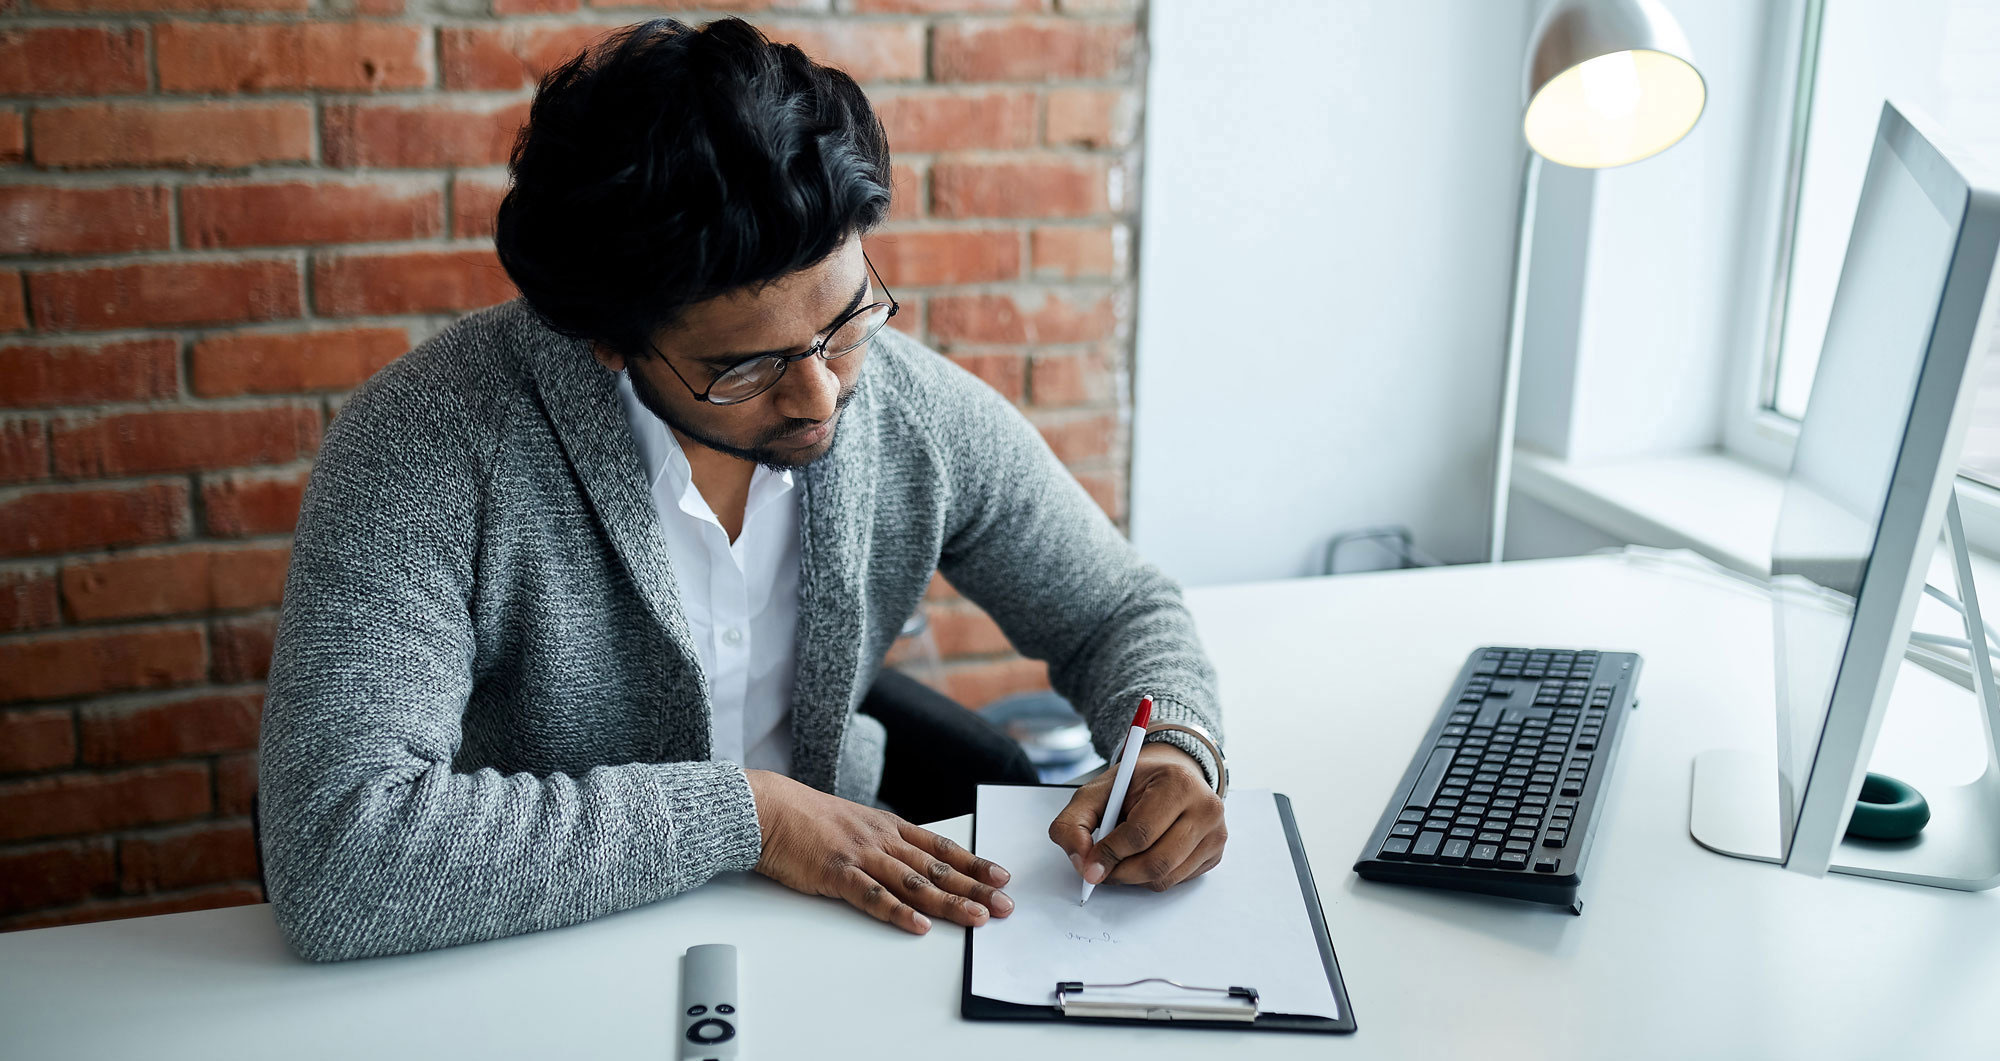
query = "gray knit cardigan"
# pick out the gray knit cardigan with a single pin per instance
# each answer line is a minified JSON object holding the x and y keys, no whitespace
{"x":485,"y":714}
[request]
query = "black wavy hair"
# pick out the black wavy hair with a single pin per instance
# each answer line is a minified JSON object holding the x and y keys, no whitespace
{"x":666,"y":165}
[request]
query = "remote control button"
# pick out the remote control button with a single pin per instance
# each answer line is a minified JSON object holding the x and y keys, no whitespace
{"x":696,"y":1011}
{"x":711,"y":1031}
{"x":725,"y":1008}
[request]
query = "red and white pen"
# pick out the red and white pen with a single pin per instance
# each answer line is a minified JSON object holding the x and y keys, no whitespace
{"x":1134,"y":740}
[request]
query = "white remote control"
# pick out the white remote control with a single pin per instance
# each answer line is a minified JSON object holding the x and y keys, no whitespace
{"x":708,"y":1003}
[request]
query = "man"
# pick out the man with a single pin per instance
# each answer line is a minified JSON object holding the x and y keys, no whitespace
{"x":586,"y":589}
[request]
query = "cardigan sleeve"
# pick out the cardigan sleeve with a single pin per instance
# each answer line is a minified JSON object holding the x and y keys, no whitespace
{"x":1026,"y":543}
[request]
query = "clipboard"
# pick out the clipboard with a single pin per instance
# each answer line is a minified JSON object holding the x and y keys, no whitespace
{"x":1233,"y":1007}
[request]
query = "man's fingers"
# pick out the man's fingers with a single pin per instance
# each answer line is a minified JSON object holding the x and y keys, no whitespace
{"x":941,"y":874}
{"x":872,"y":897}
{"x":1149,"y":813}
{"x":1207,"y":855}
{"x":1157,"y":863}
{"x":957,"y":857}
{"x":1072,"y":827}
{"x":915,"y":888}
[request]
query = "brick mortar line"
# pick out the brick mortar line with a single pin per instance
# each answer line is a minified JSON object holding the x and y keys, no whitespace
{"x":170,"y":549}
{"x":308,"y":290}
{"x":287,"y":95}
{"x":127,"y":700}
{"x":586,"y":14}
{"x":195,"y":333}
{"x":197,"y":403}
{"x":15,"y":491}
{"x":223,"y":255}
{"x":891,"y":89}
{"x":107,"y":179}
{"x":113,"y":626}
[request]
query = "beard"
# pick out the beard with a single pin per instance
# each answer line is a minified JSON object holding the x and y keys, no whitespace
{"x":761,"y":450}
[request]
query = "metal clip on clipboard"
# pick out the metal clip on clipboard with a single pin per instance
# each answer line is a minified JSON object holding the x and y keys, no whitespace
{"x":1234,"y":1003}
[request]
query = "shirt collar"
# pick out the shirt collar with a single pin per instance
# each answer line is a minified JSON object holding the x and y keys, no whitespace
{"x":667,"y":467}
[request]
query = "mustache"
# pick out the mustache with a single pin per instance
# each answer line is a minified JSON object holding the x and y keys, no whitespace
{"x":794,"y":425}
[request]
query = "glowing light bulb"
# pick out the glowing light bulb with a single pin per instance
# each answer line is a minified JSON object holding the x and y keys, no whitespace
{"x":1611,"y":84}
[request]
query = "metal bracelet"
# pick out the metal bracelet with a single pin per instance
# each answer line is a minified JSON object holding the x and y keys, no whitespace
{"x":1199,"y":734}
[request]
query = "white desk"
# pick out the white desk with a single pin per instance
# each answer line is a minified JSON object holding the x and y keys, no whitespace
{"x":1328,"y":686}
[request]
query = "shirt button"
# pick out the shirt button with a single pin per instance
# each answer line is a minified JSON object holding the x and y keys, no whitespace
{"x":732,"y":637}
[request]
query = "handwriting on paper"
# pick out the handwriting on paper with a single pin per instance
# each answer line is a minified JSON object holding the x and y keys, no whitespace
{"x":1101,"y":937}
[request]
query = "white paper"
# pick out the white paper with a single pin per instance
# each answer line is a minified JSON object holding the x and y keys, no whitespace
{"x":1243,"y":923}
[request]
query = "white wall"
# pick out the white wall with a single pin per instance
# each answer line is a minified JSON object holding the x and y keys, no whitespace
{"x":1328,"y":229}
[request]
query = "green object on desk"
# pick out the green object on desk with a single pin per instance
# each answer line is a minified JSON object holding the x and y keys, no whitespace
{"x":1888,"y":810}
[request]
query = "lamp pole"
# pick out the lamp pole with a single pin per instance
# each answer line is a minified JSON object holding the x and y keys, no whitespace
{"x":1510,"y":377}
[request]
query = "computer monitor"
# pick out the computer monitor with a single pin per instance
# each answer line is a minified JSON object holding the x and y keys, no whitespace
{"x":1864,"y":503}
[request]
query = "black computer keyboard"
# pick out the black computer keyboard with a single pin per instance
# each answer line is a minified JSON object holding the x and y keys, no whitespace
{"x":1502,"y":796}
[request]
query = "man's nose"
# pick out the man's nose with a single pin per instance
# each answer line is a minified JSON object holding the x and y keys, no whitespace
{"x":809,"y":391}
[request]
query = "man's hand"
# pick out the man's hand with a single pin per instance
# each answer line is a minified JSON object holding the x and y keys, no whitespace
{"x":1171,"y":831}
{"x":882,"y":865}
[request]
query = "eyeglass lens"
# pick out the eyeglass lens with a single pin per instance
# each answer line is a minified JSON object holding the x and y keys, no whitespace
{"x":751,"y":378}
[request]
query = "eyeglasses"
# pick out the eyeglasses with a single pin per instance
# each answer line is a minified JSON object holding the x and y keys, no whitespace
{"x":752,"y":376}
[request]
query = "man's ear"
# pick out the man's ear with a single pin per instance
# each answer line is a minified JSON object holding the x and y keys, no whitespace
{"x":611,"y":360}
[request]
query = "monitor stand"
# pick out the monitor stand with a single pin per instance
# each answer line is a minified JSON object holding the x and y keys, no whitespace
{"x":1736,"y":808}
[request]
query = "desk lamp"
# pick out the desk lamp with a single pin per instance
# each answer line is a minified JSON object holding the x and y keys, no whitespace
{"x":1609,"y":82}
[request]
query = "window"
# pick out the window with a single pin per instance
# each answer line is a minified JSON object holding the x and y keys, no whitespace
{"x":1941,"y":57}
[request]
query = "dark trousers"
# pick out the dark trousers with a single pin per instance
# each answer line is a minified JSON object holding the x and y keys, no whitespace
{"x":939,"y":752}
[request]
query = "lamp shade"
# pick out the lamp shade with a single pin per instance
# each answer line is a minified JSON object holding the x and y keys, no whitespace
{"x":1609,"y":82}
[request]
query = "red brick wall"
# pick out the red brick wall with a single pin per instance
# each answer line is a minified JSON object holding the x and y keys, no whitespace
{"x":219,"y":216}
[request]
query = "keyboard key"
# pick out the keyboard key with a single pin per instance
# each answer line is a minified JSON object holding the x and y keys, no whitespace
{"x":1395,"y":848}
{"x":1404,"y":829}
{"x":1512,"y":834}
{"x":1483,"y":854}
{"x":1431,"y":779}
{"x":1547,"y":865}
{"x":1410,"y":816}
{"x":1454,"y":852}
{"x":1513,"y":860}
{"x":1519,"y":845}
{"x":1572,"y":790}
{"x":1493,"y":836}
{"x":1556,"y":838}
{"x":1426,"y":847}
{"x":1463,"y":832}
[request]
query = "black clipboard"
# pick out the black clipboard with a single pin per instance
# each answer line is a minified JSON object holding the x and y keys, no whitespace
{"x":976,"y":1007}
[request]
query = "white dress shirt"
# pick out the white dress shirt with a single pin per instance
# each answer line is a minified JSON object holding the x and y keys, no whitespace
{"x":741,"y":597}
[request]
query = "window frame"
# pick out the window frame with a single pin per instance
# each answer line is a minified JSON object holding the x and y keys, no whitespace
{"x":1753,"y":430}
